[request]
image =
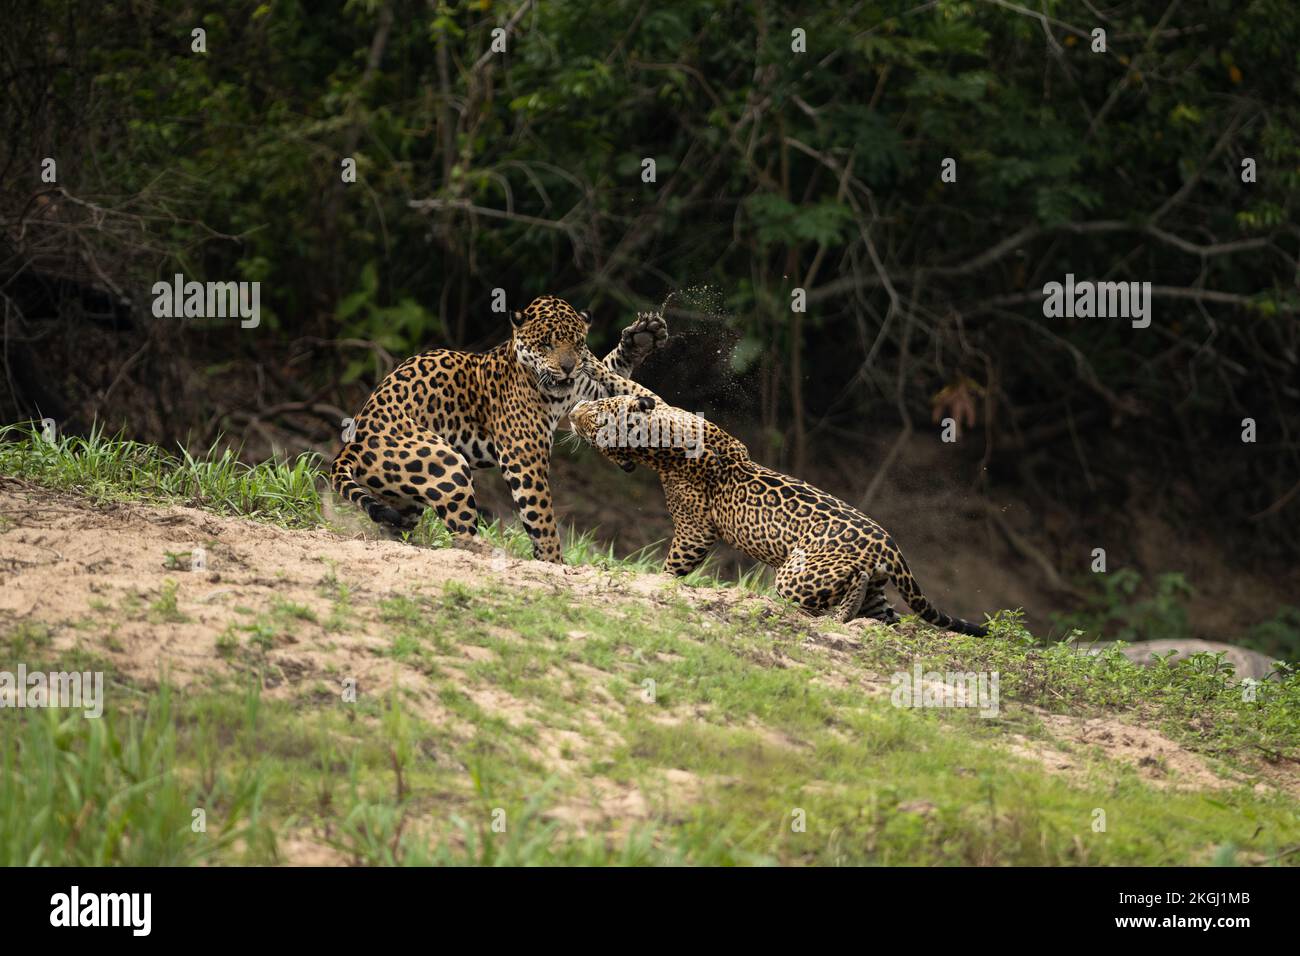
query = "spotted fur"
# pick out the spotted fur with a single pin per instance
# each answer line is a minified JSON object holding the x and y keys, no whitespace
{"x":829,"y":557}
{"x":442,"y":414}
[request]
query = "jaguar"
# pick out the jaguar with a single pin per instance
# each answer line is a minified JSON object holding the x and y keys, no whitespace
{"x":830,"y":558}
{"x":442,"y":414}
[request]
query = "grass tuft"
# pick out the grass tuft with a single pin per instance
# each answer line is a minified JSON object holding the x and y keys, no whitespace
{"x":108,"y":467}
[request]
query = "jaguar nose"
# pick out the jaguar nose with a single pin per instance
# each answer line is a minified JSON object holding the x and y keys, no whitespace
{"x":567,"y":363}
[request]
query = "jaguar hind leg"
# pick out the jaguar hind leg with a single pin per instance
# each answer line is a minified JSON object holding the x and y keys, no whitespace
{"x":826,"y":582}
{"x":848,"y":608}
{"x":397,"y":471}
{"x":875,"y":606}
{"x":883,"y":612}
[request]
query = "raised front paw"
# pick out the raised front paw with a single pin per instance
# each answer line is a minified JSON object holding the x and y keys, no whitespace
{"x":646,"y":334}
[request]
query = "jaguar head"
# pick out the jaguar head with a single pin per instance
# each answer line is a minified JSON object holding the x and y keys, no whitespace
{"x":550,"y":340}
{"x":631,"y":430}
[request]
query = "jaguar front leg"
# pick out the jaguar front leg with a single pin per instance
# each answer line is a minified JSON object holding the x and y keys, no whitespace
{"x":693,"y":536}
{"x":687,"y":552}
{"x":599,"y":382}
{"x":636,"y":342}
{"x":527,"y":474}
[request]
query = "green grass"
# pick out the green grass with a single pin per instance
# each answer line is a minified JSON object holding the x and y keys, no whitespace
{"x":689,"y":728}
{"x":790,"y":761}
{"x":82,"y":792}
{"x":104,"y":468}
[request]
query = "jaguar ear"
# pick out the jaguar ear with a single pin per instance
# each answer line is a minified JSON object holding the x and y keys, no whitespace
{"x":645,"y":404}
{"x":586,"y":316}
{"x":517,"y":319}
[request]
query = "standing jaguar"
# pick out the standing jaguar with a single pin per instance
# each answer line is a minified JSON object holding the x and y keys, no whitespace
{"x":440,"y":414}
{"x":830,"y":558}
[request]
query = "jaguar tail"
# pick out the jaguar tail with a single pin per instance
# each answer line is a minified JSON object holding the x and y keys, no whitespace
{"x":901,"y":577}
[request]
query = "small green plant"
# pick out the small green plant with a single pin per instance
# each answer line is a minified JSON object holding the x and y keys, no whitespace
{"x":262,"y":633}
{"x":227,"y":643}
{"x":165,"y":608}
{"x":457,"y":595}
{"x":177,"y":560}
{"x":290,"y":611}
{"x":340,"y":616}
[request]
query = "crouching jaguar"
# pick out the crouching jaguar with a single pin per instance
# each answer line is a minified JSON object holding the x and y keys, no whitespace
{"x":441,"y":414}
{"x":829,"y":557}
